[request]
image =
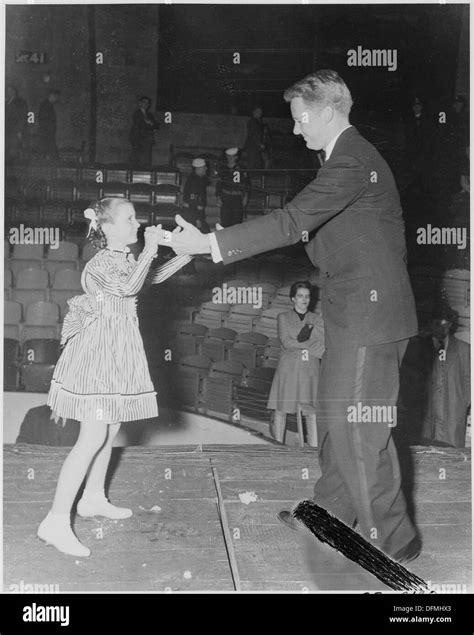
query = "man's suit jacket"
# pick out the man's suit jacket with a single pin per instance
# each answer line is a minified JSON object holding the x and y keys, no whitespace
{"x":359,"y":246}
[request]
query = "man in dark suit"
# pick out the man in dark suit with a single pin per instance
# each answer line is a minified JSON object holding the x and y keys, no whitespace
{"x":47,"y":127}
{"x":367,"y":305}
{"x":142,"y":134}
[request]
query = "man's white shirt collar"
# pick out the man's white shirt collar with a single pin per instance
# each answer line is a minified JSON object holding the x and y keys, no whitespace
{"x":330,"y":146}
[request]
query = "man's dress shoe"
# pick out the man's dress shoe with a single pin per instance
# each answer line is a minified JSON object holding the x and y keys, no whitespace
{"x":289,"y":520}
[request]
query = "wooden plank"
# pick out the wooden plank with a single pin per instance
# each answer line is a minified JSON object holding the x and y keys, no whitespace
{"x":269,"y":469}
{"x":264,"y":512}
{"x":148,"y":568}
{"x":436,"y":492}
{"x":175,"y":585}
{"x":436,"y":538}
{"x":289,"y":564}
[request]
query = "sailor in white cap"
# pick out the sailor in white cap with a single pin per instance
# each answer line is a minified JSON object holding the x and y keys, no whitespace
{"x":232,"y":189}
{"x":194,"y":195}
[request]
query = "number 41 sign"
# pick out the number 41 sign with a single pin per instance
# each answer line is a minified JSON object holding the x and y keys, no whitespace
{"x":29,"y":57}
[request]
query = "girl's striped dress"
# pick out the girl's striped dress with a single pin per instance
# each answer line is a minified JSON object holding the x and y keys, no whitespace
{"x":102,"y":374}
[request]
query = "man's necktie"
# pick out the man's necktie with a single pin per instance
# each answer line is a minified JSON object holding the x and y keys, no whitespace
{"x":322,"y":156}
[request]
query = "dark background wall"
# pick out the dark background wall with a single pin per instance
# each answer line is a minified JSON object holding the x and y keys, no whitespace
{"x":182,"y":56}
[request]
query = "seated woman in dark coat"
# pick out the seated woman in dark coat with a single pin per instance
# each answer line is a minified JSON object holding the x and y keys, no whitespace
{"x":301,"y":333}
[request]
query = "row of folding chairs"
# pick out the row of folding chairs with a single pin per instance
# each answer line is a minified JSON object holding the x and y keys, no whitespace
{"x":40,"y":320}
{"x":29,"y":366}
{"x":252,"y":349}
{"x":69,"y":217}
{"x":37,"y":285}
{"x":46,"y":253}
{"x":99,"y":173}
{"x":224,"y":387}
{"x":70,"y":191}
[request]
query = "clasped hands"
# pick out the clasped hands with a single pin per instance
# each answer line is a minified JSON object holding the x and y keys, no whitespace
{"x":184,"y":239}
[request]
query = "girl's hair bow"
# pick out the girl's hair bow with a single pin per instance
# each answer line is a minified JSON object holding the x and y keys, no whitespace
{"x":90,"y":214}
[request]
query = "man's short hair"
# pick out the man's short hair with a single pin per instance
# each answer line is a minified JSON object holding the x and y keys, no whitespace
{"x":323,"y":88}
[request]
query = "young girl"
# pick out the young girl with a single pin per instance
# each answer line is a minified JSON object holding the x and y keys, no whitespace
{"x":102,"y":377}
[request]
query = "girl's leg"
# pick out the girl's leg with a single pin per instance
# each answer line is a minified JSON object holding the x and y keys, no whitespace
{"x":91,"y":438}
{"x":98,"y":470}
{"x":56,"y":527}
{"x":278,"y":426}
{"x":94,"y":501}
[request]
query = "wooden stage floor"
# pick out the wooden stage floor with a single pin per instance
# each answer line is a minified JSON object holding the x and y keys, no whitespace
{"x":192,"y":532}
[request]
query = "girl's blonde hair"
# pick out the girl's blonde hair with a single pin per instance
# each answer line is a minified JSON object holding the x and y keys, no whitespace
{"x":104,"y":209}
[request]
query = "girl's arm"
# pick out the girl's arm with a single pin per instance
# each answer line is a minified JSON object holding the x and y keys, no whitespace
{"x":112,"y":281}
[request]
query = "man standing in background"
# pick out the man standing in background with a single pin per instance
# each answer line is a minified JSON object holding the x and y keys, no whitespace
{"x":47,"y":127}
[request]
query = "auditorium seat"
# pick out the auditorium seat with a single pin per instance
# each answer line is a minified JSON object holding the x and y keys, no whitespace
{"x":272,"y":352}
{"x":117,"y":173}
{"x":140,"y":193}
{"x":257,"y":203}
{"x":217,"y":342}
{"x":31,"y":286}
{"x":276,"y":181}
{"x":242,"y":317}
{"x":40,"y":351}
{"x":27,"y":211}
{"x":88,"y":191}
{"x":40,"y":172}
{"x":248,"y":349}
{"x":165,"y":215}
{"x":66,"y":285}
{"x":165,"y":195}
{"x":25,"y":257}
{"x":61,"y":190}
{"x":70,"y":154}
{"x":256,"y":178}
{"x":68,"y":172}
{"x":252,"y":392}
{"x":268,"y":291}
{"x":36,"y":377}
{"x":267,"y":324}
{"x":41,"y":321}
{"x":189,"y":339}
{"x":165,"y":176}
{"x":218,"y":386}
{"x":191,"y":371}
{"x":142,"y":176}
{"x":7,"y":284}
{"x":115,"y":189}
{"x":11,"y":355}
{"x":66,"y":256}
{"x":211,"y":314}
{"x":456,"y":287}
{"x":12,"y":312}
{"x":55,"y":214}
{"x":92,"y":174}
{"x":275,"y":200}
{"x":281,"y":299}
{"x":36,"y":189}
{"x":144,"y":213}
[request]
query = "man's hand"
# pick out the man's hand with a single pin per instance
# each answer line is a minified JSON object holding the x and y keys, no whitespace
{"x":185,"y":239}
